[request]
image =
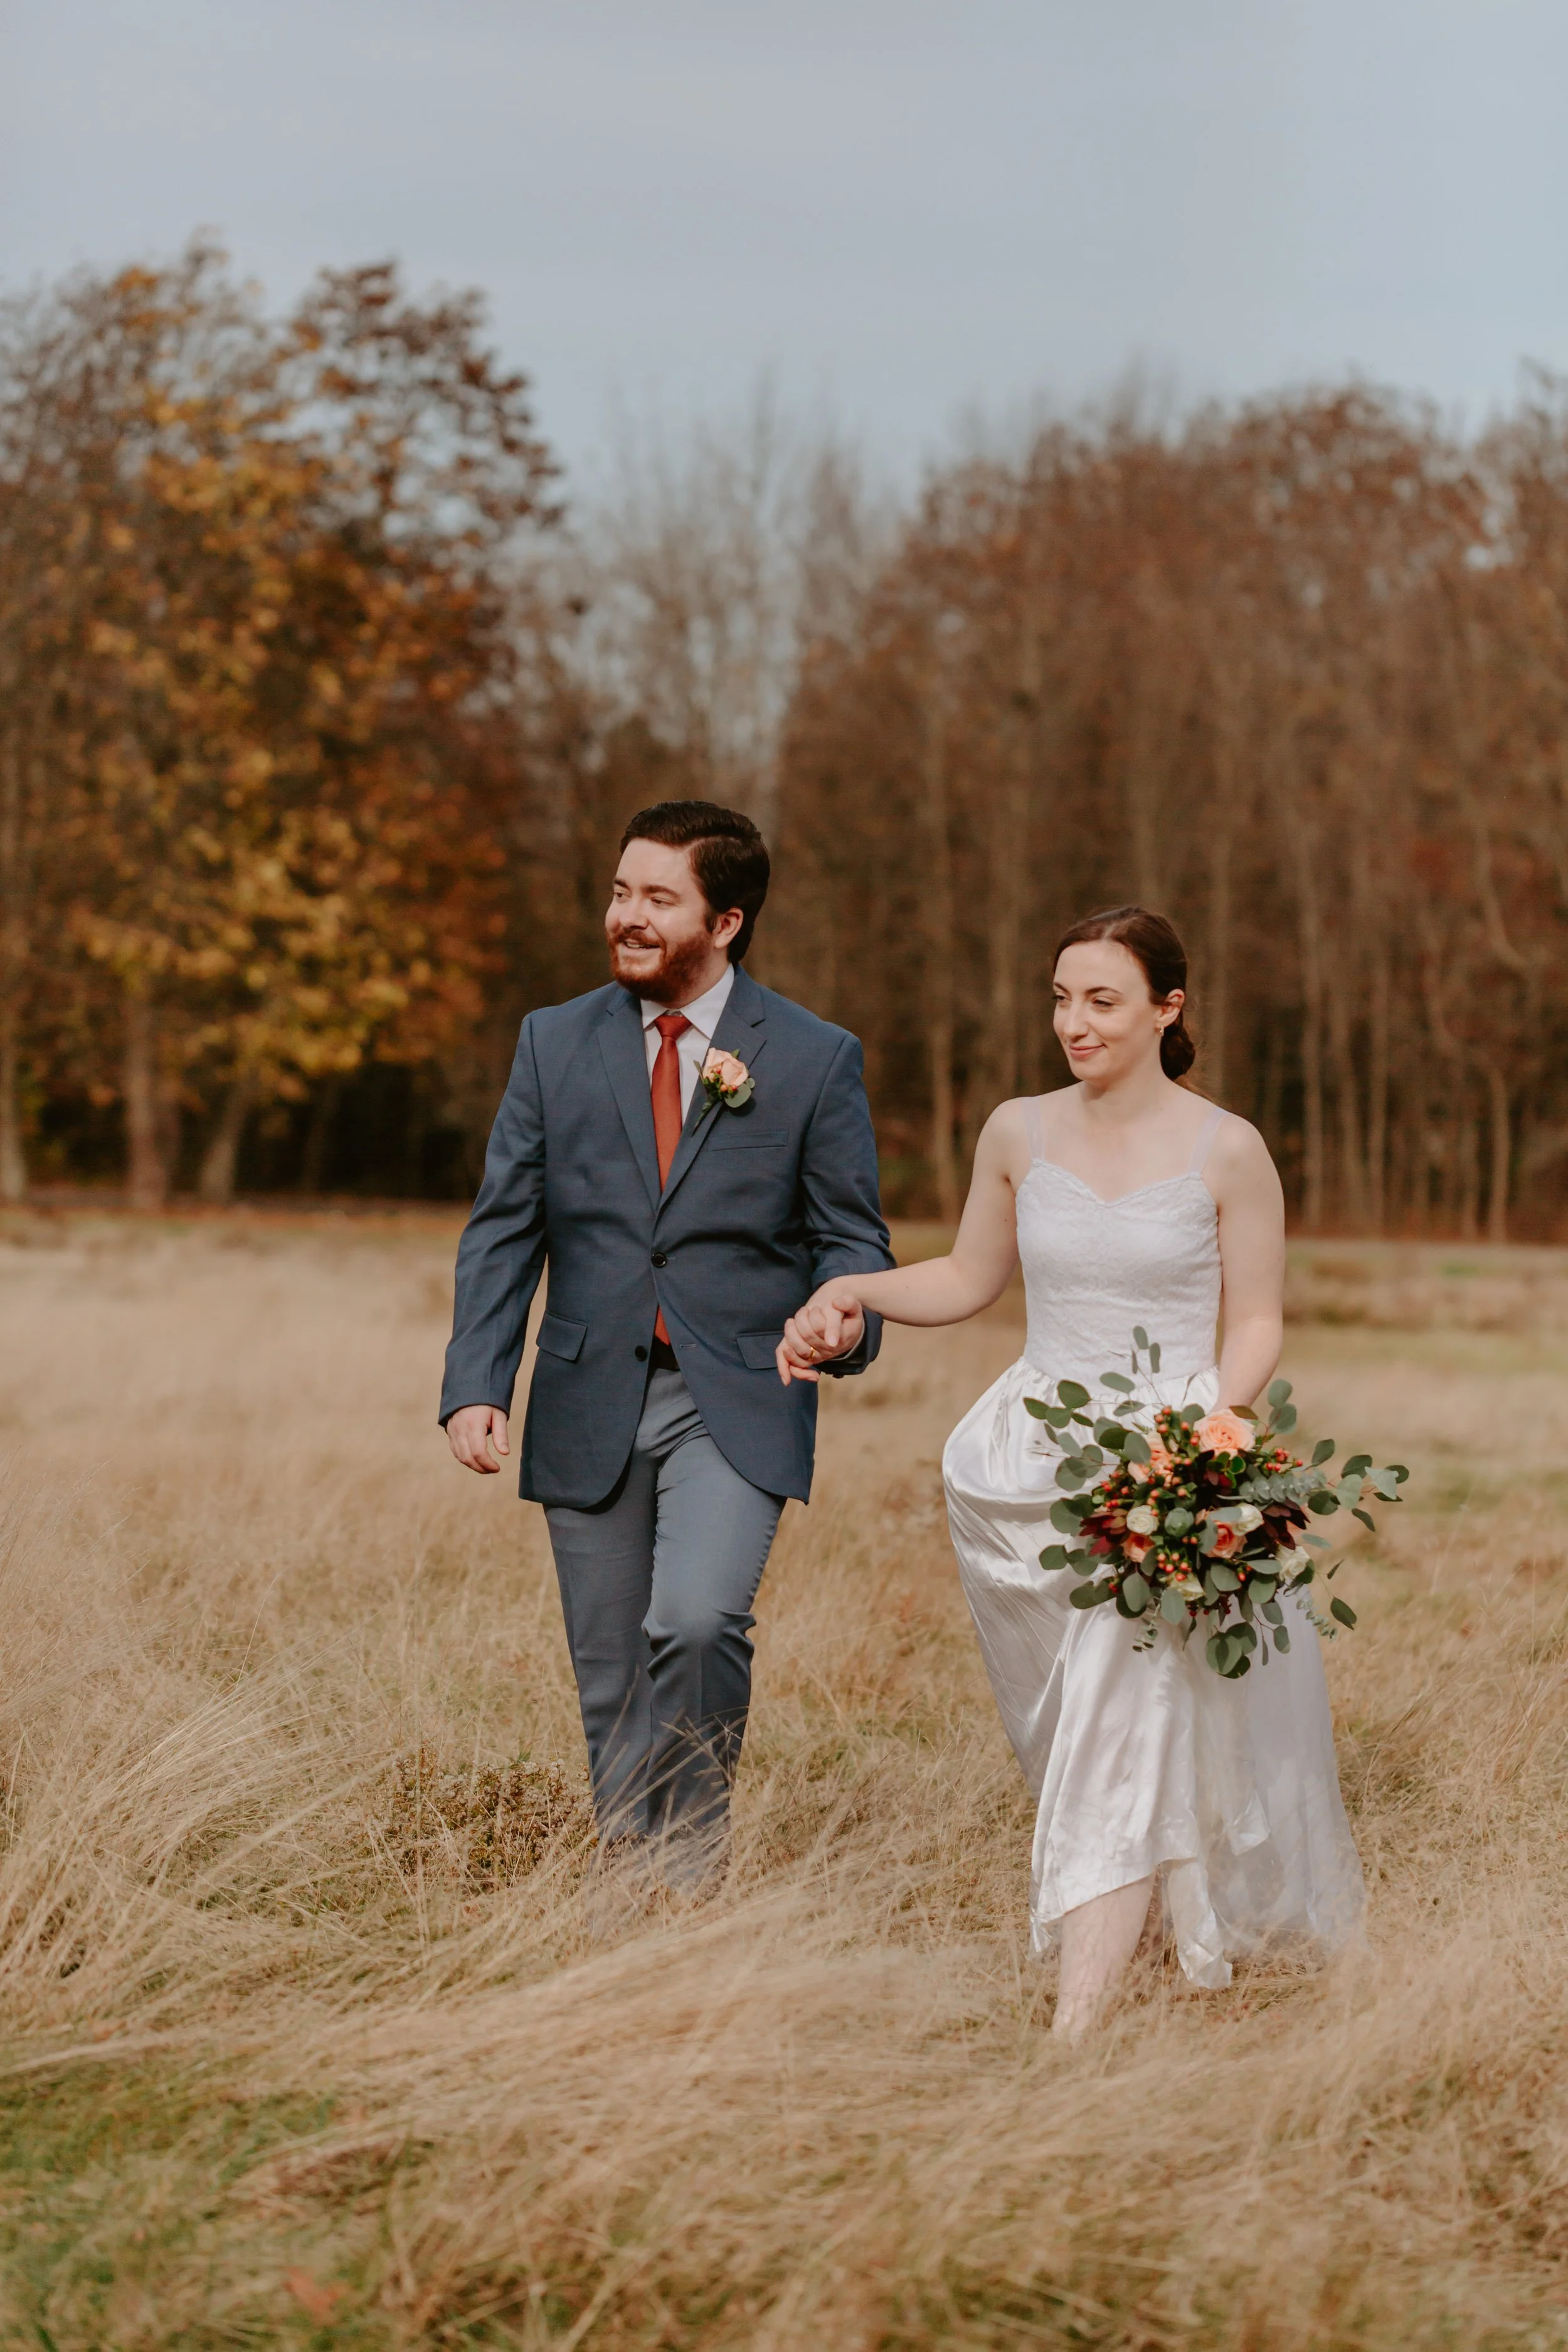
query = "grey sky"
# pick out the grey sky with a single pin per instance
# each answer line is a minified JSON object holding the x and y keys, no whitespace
{"x":903,"y":209}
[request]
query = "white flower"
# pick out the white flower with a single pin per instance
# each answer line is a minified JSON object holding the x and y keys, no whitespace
{"x":1143,"y":1520}
{"x":1294,"y":1560}
{"x":1247,"y":1516}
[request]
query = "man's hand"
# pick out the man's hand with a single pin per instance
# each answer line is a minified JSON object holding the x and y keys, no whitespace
{"x":830,"y":1324}
{"x":470,"y":1433}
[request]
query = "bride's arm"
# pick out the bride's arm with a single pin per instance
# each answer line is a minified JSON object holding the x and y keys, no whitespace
{"x":940,"y":1289}
{"x":1245,"y":1185}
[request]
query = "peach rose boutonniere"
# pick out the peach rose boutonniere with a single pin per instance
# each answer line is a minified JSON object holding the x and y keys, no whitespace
{"x":726,"y":1081}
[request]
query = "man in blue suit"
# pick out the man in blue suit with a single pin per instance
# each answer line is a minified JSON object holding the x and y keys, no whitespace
{"x":690,"y":1155}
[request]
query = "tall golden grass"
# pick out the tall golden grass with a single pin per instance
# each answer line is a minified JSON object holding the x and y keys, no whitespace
{"x":318,"y":2027}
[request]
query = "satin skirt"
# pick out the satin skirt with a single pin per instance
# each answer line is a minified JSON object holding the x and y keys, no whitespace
{"x":1147,"y":1760}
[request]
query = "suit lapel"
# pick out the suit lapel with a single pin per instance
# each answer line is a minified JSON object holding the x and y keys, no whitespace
{"x":742,"y":1030}
{"x":624,"y":1051}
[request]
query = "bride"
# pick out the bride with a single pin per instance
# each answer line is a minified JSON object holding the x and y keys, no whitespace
{"x":1130,"y":1202}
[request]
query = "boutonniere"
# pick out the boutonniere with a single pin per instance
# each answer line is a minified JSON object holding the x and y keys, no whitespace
{"x":726,"y":1082}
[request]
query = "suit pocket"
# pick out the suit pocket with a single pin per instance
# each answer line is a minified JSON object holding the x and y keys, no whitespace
{"x":559,"y":1337}
{"x":735,"y":1132}
{"x":757,"y":1349}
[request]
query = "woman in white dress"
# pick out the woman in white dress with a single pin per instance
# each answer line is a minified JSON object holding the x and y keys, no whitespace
{"x":1131,"y":1202}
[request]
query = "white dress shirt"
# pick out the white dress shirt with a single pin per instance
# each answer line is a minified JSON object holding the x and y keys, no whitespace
{"x":693,"y":1044}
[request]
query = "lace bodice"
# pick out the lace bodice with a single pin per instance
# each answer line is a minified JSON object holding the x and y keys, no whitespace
{"x":1094,"y":1269}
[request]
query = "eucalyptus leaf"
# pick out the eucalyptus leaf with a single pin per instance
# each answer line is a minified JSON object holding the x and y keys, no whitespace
{"x":1321,"y":1452}
{"x":1136,"y":1593}
{"x":1089,"y":1596}
{"x":1054,"y":1557}
{"x":1179,"y":1522}
{"x":1140,"y":1336}
{"x":1071,"y":1471}
{"x":1285,"y":1419}
{"x":1323,"y":1502}
{"x":1278,"y":1393}
{"x":1282,"y":1640}
{"x":1272,"y":1614}
{"x":1069,"y":1393}
{"x":1224,"y":1579}
{"x":1172,"y":1608}
{"x":1364,"y":1517}
{"x":1037,"y":1408}
{"x":1066,"y":1514}
{"x":1117,"y":1382}
{"x":1357,"y":1466}
{"x":1154,"y":1356}
{"x":1341,"y":1609}
{"x":1136,"y":1448}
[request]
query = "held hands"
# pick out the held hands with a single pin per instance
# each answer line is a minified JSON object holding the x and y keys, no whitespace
{"x":830,"y":1324}
{"x":471,"y":1432}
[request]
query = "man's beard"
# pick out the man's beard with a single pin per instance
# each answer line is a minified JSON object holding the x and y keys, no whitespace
{"x":677,"y":969}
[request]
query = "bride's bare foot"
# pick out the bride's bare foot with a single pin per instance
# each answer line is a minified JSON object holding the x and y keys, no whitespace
{"x":1098,"y":1939}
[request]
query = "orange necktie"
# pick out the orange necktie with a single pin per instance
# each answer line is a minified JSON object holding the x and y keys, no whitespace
{"x":667,"y":1109}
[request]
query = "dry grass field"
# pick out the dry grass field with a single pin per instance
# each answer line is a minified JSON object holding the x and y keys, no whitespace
{"x":316,"y":2032}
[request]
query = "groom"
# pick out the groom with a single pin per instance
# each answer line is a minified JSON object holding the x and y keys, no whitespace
{"x":683,"y":1220}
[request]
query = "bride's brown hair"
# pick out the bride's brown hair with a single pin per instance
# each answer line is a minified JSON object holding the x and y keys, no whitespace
{"x":1151,"y":941}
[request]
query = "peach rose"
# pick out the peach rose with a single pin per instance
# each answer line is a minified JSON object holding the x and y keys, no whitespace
{"x":1226,"y":1540}
{"x":723,"y":1070}
{"x":1137,"y":1546}
{"x":1224,"y":1432}
{"x":1159,"y":1458}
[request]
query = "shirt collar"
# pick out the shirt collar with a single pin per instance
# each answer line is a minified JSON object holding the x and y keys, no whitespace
{"x":703,"y":1015}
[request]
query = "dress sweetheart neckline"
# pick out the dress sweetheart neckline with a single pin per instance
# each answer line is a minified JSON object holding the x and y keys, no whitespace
{"x":1117,"y":1199}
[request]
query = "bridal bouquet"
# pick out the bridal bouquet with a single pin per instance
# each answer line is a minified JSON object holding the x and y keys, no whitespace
{"x":1194,"y":1519}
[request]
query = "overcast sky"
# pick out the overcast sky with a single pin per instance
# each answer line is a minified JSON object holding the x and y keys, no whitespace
{"x":903,"y":208}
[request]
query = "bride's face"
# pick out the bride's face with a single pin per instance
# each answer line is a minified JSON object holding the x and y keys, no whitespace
{"x":1108,"y":1024}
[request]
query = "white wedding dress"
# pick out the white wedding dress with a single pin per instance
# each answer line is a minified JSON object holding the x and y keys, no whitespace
{"x":1139,"y":1760}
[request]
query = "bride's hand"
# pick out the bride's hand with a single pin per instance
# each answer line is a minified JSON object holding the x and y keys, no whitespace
{"x":830,"y":1324}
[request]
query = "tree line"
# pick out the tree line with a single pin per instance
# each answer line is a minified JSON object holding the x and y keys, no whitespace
{"x":321,"y":712}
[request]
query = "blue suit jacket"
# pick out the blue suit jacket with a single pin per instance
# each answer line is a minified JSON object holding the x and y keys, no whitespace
{"x":761,"y":1204}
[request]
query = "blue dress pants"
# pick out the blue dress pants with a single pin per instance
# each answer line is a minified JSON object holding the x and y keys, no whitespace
{"x":656,"y":1585}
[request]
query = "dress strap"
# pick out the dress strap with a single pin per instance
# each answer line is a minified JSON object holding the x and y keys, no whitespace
{"x":1205,"y":1137}
{"x":1032,"y":1127}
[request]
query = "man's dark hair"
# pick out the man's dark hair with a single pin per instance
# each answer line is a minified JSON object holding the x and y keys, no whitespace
{"x":729,"y":857}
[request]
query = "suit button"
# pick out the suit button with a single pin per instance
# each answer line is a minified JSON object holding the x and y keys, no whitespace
{"x":659,"y":1258}
{"x":641,"y":1355}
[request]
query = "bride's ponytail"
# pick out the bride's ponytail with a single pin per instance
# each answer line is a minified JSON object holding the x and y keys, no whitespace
{"x":1153,"y":941}
{"x":1177,"y":1051}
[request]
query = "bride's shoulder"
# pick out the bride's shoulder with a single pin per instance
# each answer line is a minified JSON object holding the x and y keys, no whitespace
{"x":1010,"y":1136}
{"x":1237,"y":1151}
